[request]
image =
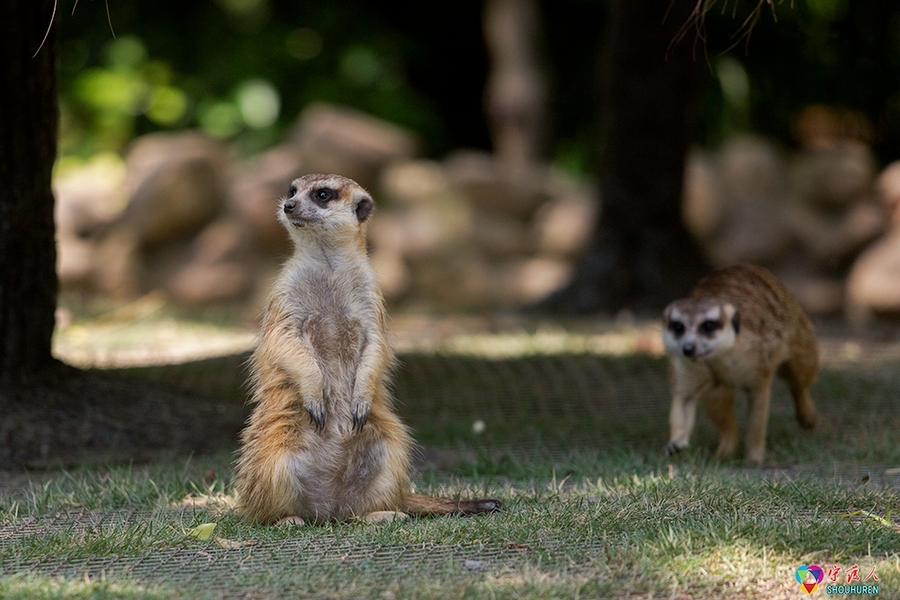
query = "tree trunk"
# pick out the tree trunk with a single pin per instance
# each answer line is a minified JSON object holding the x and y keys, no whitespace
{"x":28,"y":133}
{"x":641,"y":256}
{"x":53,"y":414}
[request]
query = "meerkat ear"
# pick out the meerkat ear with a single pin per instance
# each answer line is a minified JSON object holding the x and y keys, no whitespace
{"x":667,"y":313}
{"x":363,"y":207}
{"x":731,"y":314}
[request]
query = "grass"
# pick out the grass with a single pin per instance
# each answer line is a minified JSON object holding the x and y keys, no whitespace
{"x":608,"y":525}
{"x":569,"y":438}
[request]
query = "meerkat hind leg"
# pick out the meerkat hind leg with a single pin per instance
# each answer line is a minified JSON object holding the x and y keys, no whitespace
{"x":792,"y":372}
{"x":758,"y":422}
{"x":719,"y":403}
{"x":379,"y":516}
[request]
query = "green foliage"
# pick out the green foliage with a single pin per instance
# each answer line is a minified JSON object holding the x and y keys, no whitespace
{"x":243,"y":69}
{"x":239,"y":69}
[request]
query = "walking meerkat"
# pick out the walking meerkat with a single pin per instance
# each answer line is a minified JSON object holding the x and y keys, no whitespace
{"x":737,"y":330}
{"x":322,"y":442}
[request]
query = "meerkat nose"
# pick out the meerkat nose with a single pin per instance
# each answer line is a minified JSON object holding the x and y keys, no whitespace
{"x":289,"y":206}
{"x":688,"y":349}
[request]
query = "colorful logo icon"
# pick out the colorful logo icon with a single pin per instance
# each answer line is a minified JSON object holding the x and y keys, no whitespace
{"x":809,"y":577}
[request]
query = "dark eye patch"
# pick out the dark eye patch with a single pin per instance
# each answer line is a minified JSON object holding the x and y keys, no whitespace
{"x":293,"y":191}
{"x":677,"y":328}
{"x":710,"y":326}
{"x":324,"y":195}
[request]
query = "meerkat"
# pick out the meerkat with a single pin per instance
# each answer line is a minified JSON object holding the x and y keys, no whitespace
{"x":322,"y":442}
{"x":737,"y":330}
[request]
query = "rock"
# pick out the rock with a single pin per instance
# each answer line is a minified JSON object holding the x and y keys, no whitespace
{"x":393,"y":274}
{"x":754,"y":231}
{"x":530,"y":280}
{"x":335,"y":139}
{"x":498,"y":187}
{"x":888,"y":186}
{"x":178,"y":183}
{"x":873,"y":285}
{"x":501,"y":237}
{"x":832,"y":241}
{"x":118,"y":270}
{"x":198,"y":283}
{"x":413,"y":182}
{"x":833,"y":178}
{"x":89,"y":197}
{"x":752,"y":225}
{"x":750,"y":167}
{"x":457,"y":279}
{"x":257,"y":191}
{"x":423,"y":230}
{"x":215,"y":267}
{"x":819,"y":296}
{"x":150,"y":152}
{"x":564,"y":225}
{"x":701,"y":208}
{"x":822,"y":126}
{"x":75,"y":263}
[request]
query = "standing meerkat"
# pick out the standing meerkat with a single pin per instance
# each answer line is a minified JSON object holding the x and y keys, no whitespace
{"x":737,"y":330}
{"x":322,"y":442}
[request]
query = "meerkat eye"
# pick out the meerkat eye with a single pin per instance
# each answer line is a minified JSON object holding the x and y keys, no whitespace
{"x":677,"y":328}
{"x":293,"y":191}
{"x":324,"y":195}
{"x":710,"y":326}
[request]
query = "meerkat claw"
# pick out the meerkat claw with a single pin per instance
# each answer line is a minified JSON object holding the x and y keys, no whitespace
{"x":359,"y":420}
{"x":673,"y":448}
{"x":317,"y":418}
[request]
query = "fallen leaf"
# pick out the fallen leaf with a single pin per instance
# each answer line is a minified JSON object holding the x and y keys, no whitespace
{"x":203,"y":531}
{"x":232,"y":544}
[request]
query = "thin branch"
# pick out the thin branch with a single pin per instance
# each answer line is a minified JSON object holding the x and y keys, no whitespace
{"x":74,"y":6}
{"x":696,"y":22}
{"x":109,"y":19}
{"x":47,"y":34}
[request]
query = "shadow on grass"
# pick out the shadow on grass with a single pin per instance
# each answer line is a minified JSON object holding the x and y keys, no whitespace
{"x":462,"y":408}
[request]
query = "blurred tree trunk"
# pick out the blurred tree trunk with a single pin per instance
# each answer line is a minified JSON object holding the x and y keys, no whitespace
{"x":28,"y":133}
{"x":516,"y":88}
{"x":641,"y":256}
{"x":54,"y":414}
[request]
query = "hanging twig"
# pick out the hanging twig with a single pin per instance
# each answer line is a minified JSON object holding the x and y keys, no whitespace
{"x":74,"y":6}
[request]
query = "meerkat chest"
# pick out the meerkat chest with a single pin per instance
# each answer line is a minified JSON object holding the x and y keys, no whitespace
{"x":332,"y":317}
{"x":734,"y":369}
{"x":748,"y":362}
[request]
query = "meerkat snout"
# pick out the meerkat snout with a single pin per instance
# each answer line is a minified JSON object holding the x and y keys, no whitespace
{"x":688,"y":349}
{"x":289,"y":206}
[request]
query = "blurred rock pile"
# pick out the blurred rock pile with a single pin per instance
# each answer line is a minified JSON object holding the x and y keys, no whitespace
{"x":813,"y":217}
{"x":186,"y":216}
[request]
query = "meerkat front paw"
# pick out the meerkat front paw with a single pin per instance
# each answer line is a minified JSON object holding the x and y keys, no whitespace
{"x":292,"y":520}
{"x":361,"y":409}
{"x":316,"y":410}
{"x":674,"y":447}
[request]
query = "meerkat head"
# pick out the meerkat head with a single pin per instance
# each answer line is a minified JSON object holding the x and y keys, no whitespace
{"x":699,"y":327}
{"x":331,"y":204}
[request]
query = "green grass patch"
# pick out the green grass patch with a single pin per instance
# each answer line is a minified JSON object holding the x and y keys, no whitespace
{"x":588,"y":524}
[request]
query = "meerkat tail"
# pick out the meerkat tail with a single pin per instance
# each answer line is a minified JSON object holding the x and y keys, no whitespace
{"x":420,"y":505}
